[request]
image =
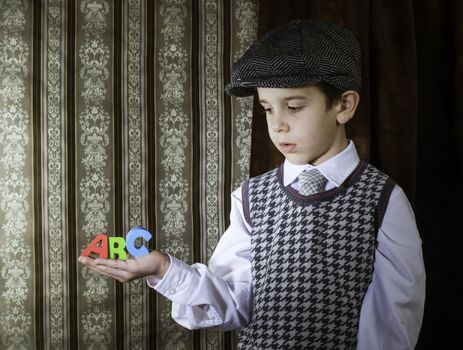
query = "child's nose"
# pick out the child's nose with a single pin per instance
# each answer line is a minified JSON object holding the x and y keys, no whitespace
{"x":279,"y":124}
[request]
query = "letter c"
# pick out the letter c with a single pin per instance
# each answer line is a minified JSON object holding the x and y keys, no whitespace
{"x":132,"y":235}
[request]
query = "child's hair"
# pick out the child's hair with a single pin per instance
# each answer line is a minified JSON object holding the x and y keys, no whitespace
{"x":332,"y":94}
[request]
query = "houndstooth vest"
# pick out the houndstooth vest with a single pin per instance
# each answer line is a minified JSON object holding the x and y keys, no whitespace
{"x":312,"y":259}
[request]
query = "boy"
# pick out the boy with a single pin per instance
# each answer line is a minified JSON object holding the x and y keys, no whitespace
{"x":321,"y":253}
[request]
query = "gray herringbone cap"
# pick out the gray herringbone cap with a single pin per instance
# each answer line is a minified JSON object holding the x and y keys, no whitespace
{"x":300,"y":53}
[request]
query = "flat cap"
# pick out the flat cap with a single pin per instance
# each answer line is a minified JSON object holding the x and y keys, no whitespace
{"x":300,"y":53}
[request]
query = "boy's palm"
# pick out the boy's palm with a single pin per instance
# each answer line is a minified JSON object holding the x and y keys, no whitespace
{"x":155,"y":263}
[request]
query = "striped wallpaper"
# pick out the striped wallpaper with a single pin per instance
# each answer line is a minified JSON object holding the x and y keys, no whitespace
{"x":113,"y":114}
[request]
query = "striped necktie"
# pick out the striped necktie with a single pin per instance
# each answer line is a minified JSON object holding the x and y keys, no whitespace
{"x":311,"y":181}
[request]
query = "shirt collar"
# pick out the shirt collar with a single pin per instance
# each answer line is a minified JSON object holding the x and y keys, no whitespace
{"x":336,"y":169}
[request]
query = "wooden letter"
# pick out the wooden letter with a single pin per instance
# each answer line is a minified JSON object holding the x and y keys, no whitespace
{"x":99,"y":246}
{"x":116,"y":248}
{"x":133,"y":234}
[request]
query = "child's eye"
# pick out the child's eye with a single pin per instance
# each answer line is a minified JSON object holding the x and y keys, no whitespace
{"x":294,"y":108}
{"x":267,"y":110}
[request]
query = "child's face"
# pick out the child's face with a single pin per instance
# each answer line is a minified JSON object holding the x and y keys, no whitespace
{"x":300,"y":126}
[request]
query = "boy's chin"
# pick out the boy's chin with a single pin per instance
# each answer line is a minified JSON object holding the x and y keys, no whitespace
{"x":297,"y":160}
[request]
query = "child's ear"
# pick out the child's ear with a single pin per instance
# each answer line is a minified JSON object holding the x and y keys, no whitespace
{"x":347,"y":106}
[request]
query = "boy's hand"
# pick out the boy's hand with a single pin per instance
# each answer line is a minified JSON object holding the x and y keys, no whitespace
{"x":155,"y":263}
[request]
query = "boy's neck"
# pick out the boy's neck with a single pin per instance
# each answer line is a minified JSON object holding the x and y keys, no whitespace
{"x":339,"y":146}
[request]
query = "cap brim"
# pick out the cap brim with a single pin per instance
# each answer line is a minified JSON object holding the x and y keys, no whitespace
{"x":248,"y":88}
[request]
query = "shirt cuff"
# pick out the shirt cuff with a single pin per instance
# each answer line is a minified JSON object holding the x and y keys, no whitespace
{"x":153,"y":280}
{"x":177,"y":281}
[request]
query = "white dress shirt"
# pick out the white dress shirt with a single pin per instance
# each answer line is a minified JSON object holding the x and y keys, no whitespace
{"x":220,"y":295}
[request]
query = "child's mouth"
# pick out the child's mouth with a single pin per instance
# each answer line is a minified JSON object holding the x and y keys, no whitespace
{"x":287,"y":147}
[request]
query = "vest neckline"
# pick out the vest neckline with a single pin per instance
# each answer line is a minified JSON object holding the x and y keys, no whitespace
{"x":352,"y":178}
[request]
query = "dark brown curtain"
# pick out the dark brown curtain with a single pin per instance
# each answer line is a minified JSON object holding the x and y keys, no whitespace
{"x":409,"y":124}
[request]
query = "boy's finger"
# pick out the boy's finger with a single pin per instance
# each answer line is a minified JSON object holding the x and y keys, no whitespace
{"x":105,"y":273}
{"x":96,"y":269}
{"x":118,"y":274}
{"x":88,"y":262}
{"x":113,"y":263}
{"x":103,"y":268}
{"x":85,"y":260}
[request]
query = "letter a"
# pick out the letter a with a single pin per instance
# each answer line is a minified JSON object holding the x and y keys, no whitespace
{"x":98,"y":246}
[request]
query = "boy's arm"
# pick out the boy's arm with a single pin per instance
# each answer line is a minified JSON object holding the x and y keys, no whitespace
{"x":392,"y":310}
{"x":218,"y":295}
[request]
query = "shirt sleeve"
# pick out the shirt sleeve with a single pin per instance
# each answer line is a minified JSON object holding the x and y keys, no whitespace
{"x":392,"y":310}
{"x":218,"y":295}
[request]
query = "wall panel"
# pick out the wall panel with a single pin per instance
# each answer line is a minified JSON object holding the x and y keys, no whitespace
{"x":113,"y":115}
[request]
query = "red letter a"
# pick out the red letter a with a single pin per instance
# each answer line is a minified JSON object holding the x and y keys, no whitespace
{"x":100,"y":249}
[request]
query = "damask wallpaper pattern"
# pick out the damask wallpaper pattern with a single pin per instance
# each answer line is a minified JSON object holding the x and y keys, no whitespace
{"x":113,"y":114}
